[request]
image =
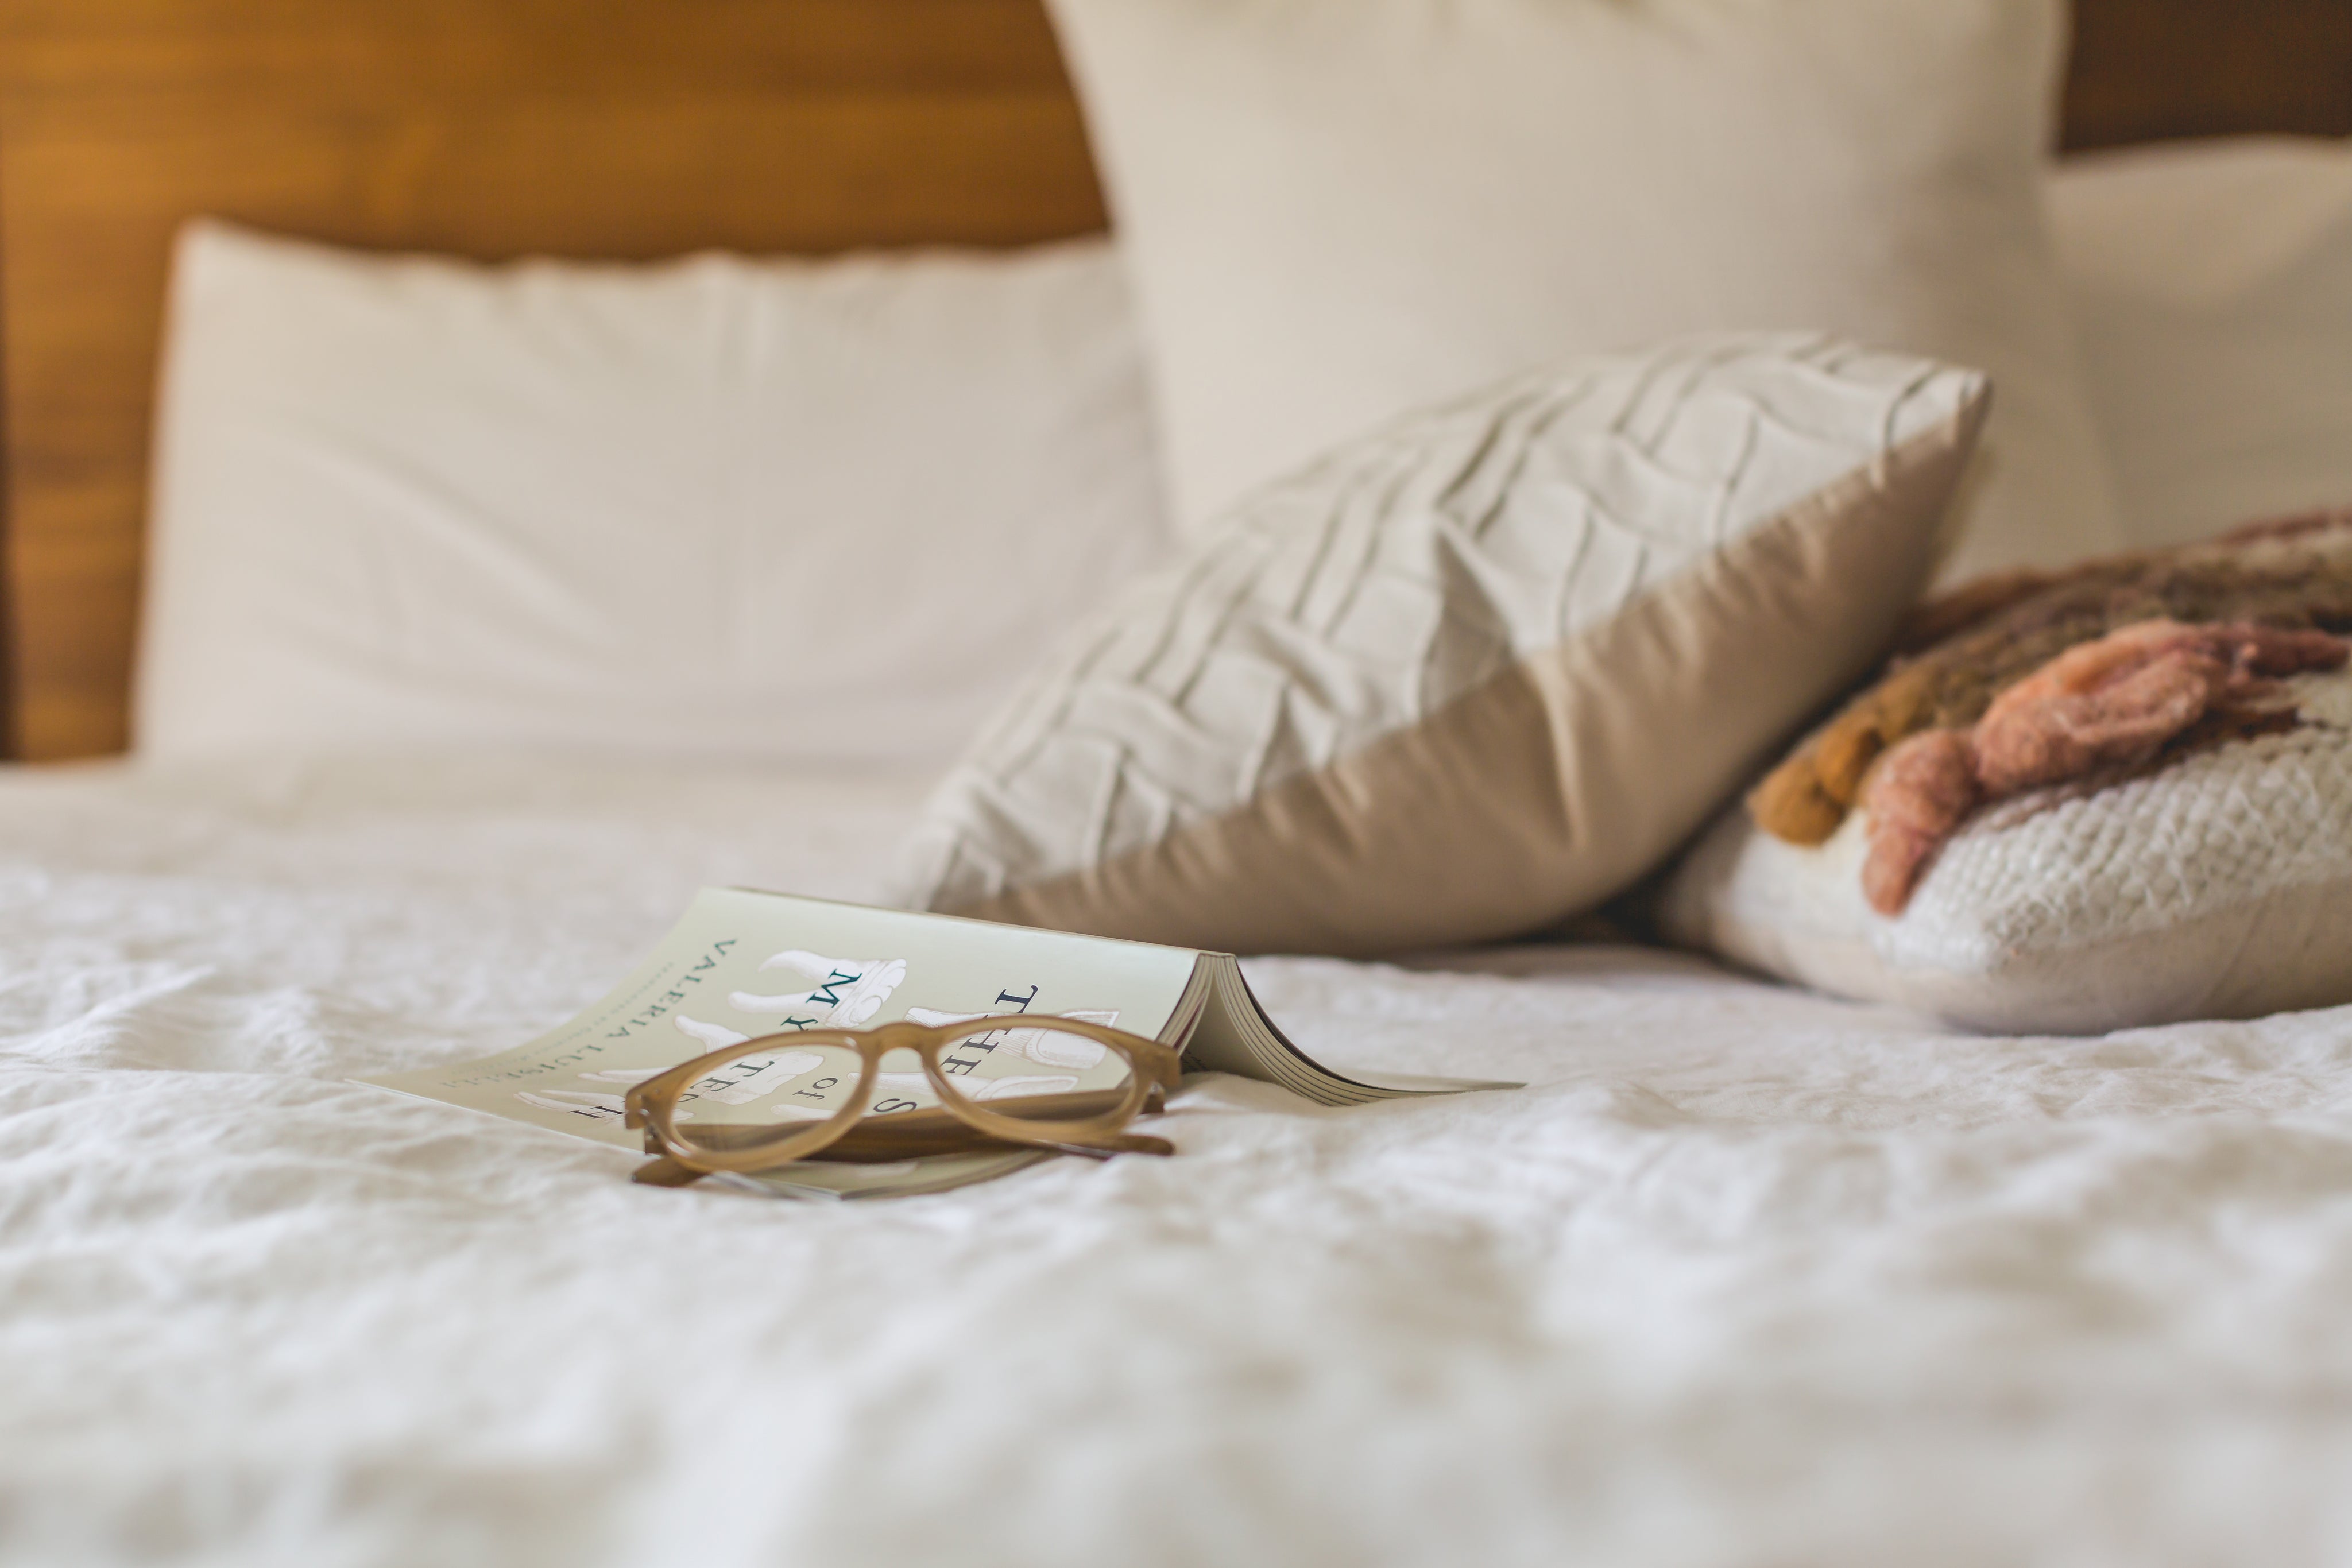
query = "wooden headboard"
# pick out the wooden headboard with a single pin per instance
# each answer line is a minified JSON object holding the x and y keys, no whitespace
{"x":619,"y":128}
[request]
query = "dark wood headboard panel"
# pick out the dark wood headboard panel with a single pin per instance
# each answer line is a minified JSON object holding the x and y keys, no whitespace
{"x":2147,"y":70}
{"x":620,"y":128}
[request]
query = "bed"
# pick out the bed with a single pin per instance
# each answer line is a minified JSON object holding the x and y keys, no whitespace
{"x":1745,"y":1274}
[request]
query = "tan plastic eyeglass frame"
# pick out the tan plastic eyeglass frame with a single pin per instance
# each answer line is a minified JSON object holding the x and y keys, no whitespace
{"x":1092,"y":1123}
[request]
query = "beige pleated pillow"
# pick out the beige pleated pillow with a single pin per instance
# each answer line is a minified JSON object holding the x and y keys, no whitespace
{"x":1472,"y":672}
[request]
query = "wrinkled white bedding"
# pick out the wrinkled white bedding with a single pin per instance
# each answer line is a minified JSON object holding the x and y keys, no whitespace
{"x":1745,"y":1277}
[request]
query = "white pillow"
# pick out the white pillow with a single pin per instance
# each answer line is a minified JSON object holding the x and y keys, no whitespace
{"x":1337,"y":210}
{"x":2212,"y":283}
{"x":777,"y":509}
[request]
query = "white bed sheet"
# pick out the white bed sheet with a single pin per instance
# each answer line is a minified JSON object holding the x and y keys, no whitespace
{"x":1746,"y":1276}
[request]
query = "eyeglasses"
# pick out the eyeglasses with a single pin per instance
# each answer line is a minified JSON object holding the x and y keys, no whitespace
{"x":1016,"y":1080}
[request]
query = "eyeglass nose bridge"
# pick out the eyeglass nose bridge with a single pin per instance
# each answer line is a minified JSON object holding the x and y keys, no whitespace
{"x":901,"y":1036}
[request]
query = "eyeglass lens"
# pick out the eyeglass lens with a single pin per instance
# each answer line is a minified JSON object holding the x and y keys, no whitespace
{"x":1037,"y":1074}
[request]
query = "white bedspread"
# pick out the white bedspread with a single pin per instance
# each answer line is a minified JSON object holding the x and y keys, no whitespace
{"x":1745,"y":1277}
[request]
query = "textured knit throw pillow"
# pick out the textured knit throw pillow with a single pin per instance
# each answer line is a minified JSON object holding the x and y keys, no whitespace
{"x":2114,"y":796}
{"x":1472,"y":672}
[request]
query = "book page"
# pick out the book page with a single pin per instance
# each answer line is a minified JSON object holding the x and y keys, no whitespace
{"x":744,"y":965}
{"x":1236,"y":1035}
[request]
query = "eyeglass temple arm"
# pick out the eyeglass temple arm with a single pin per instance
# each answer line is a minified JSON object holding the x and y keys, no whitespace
{"x":904,"y":1135}
{"x":878,"y":1140}
{"x":663,"y":1171}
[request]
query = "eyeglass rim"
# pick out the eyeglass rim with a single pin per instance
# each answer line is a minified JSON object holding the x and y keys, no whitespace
{"x":651,"y":1104}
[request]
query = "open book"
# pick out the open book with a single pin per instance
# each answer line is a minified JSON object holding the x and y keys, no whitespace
{"x":744,"y":965}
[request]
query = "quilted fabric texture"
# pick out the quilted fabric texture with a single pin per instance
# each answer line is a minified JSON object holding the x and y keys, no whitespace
{"x":2211,"y":888}
{"x":1473,"y":672}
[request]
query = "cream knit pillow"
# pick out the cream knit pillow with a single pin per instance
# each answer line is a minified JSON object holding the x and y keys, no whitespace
{"x":1472,"y":672}
{"x":2210,"y":882}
